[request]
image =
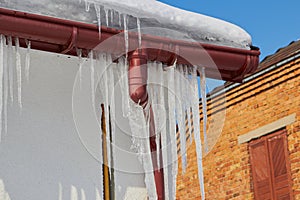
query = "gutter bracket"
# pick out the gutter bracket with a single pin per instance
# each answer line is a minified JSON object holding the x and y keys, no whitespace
{"x":72,"y":41}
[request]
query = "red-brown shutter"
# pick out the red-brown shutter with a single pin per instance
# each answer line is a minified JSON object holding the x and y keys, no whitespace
{"x":270,"y":167}
{"x":279,"y":166}
{"x":260,"y":169}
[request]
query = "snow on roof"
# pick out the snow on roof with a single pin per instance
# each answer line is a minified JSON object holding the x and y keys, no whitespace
{"x":173,"y":22}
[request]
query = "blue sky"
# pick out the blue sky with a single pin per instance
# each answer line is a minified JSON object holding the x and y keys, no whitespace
{"x":272,"y":24}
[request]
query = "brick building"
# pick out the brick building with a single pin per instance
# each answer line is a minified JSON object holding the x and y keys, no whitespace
{"x":257,"y":156}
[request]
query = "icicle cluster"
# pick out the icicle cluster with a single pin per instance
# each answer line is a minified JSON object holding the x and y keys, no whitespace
{"x":11,"y":62}
{"x":174,"y":90}
{"x":114,"y":19}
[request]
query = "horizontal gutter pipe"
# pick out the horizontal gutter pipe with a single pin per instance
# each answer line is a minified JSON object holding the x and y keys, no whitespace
{"x":63,"y":36}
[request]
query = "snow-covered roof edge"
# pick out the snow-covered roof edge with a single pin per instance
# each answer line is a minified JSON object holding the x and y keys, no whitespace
{"x":175,"y":23}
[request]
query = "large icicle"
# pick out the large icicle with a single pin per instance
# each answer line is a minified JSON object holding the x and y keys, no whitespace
{"x":138,"y":124}
{"x":10,"y":68}
{"x":204,"y":105}
{"x":103,"y":60}
{"x":180,"y":116}
{"x":172,"y":128}
{"x":1,"y":80}
{"x":27,"y":60}
{"x":153,"y":93}
{"x":163,"y":129}
{"x":196,"y":123}
{"x":107,"y":59}
{"x":19,"y":71}
{"x":111,"y":88}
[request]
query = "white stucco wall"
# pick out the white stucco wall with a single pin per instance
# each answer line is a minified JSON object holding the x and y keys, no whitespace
{"x":43,"y":156}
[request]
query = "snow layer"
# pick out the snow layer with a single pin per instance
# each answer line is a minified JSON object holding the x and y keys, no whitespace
{"x":184,"y":24}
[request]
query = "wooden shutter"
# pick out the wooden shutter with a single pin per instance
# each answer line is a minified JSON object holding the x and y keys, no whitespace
{"x":280,"y":166}
{"x":270,"y":167}
{"x":261,"y":169}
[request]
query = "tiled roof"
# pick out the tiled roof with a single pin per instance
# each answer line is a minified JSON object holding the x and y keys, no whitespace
{"x":281,"y":54}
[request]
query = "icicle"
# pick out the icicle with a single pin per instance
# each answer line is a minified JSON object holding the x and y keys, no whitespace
{"x":112,"y":17}
{"x":196,"y":123}
{"x":92,"y":68}
{"x":163,"y":130}
{"x":79,"y":54}
{"x":87,"y":6}
{"x":150,"y":88}
{"x":10,"y":68}
{"x":83,"y":197}
{"x":120,"y":20}
{"x":204,"y":105}
{"x":181,"y":117}
{"x":27,"y":60}
{"x":106,"y":16}
{"x":122,"y":70}
{"x":98,"y":13}
{"x":5,"y":85}
{"x":1,"y":80}
{"x":153,"y":92}
{"x":172,"y":128}
{"x":19,"y":72}
{"x":139,"y":129}
{"x":188,"y":100}
{"x":126,"y":37}
{"x":111,"y":88}
{"x":138,"y":22}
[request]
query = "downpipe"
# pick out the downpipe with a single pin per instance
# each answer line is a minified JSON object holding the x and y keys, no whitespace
{"x":137,"y":80}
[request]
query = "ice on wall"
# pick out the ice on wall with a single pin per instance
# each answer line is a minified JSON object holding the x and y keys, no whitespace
{"x":151,"y":13}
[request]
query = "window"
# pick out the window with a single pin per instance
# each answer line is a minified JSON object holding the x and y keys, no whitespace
{"x":270,"y":167}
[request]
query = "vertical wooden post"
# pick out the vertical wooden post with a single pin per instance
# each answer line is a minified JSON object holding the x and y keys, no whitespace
{"x":105,"y":156}
{"x":112,"y":174}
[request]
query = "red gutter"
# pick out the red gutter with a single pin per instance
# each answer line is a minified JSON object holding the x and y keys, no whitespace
{"x":61,"y":36}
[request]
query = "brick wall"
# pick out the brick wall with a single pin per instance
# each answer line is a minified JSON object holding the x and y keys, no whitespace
{"x":249,"y":106}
